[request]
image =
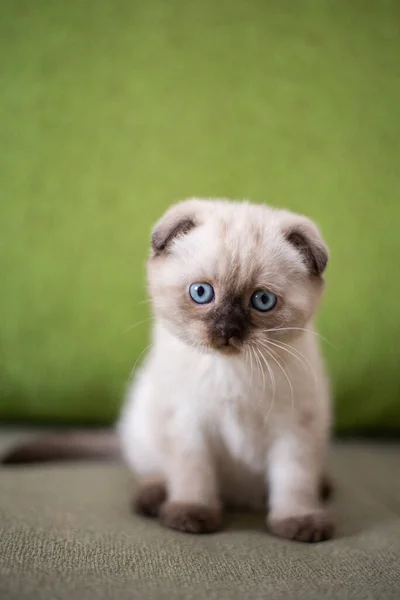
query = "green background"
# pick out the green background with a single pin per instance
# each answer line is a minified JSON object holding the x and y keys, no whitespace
{"x":112,"y":110}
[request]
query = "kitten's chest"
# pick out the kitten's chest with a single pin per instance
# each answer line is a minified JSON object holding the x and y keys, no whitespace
{"x":239,"y":417}
{"x":243,"y":435}
{"x":232,"y":382}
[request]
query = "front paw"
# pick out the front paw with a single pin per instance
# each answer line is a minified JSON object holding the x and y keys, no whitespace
{"x":311,"y":527}
{"x":190,"y":518}
{"x":150,"y":498}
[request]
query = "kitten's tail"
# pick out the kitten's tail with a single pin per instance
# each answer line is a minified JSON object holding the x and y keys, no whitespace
{"x":65,"y":446}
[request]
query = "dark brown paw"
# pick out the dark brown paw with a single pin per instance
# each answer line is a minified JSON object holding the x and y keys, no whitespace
{"x":190,"y":518}
{"x":149,"y":498}
{"x":314,"y":527}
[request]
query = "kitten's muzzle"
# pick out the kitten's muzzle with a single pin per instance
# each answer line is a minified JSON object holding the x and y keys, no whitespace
{"x":229,"y":329}
{"x":226,"y":333}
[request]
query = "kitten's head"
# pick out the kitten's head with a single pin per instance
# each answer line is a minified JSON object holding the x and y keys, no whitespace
{"x":227,"y":275}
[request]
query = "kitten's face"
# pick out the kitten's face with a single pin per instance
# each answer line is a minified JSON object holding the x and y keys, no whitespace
{"x":229,"y":276}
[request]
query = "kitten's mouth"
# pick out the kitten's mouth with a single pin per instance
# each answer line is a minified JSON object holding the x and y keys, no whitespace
{"x":229,"y":351}
{"x":226,"y":342}
{"x":227,"y":346}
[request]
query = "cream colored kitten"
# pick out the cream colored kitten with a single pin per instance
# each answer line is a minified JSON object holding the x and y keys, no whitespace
{"x":232,"y":406}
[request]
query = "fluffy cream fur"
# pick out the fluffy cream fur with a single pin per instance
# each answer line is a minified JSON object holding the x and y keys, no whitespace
{"x":246,"y":423}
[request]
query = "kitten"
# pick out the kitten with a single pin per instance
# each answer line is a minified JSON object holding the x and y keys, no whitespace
{"x":231,"y":407}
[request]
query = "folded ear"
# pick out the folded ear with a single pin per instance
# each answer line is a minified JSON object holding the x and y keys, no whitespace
{"x":305,"y":236}
{"x":177,"y":221}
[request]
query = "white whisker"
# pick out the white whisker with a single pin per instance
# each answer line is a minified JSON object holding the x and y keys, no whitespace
{"x":245,"y":355}
{"x":137,"y":360}
{"x":147,"y":301}
{"x":251,"y":366}
{"x":260,"y":366}
{"x":139,"y":323}
{"x":285,"y":374}
{"x":299,"y":356}
{"x":300,"y":329}
{"x":249,"y":355}
{"x":273,"y":383}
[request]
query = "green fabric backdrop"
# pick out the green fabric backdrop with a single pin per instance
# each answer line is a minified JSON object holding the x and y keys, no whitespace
{"x":110,"y":111}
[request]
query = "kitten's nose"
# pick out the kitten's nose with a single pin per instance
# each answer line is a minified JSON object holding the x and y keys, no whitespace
{"x":227,"y":332}
{"x":229,"y":327}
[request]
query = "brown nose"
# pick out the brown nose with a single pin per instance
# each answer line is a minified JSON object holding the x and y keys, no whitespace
{"x":228,"y":331}
{"x":229,"y":324}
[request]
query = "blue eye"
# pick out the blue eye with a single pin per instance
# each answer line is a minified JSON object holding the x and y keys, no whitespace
{"x":201,"y":293}
{"x":263,"y":301}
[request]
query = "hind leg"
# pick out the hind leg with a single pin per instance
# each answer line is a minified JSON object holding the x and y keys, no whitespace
{"x":326,"y":487}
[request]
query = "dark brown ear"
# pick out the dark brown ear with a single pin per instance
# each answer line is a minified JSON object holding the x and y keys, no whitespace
{"x":177,"y":221}
{"x":304,"y":235}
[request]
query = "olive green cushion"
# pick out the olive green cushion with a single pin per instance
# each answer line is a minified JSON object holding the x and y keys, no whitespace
{"x":113,"y":110}
{"x":67,"y":532}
